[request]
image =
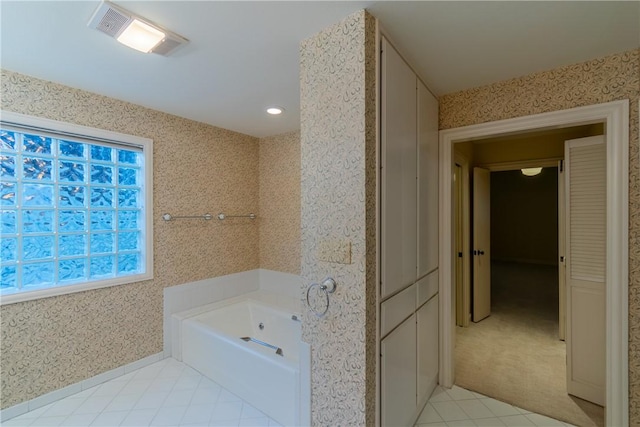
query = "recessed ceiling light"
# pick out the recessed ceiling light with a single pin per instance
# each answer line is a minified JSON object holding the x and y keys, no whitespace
{"x":275,"y":110}
{"x":140,"y":36}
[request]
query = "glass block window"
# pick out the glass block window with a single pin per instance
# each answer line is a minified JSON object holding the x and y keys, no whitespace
{"x":73,"y":212}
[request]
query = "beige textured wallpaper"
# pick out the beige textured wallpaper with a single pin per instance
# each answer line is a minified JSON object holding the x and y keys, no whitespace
{"x":279,"y":212}
{"x":49,"y":343}
{"x":338,"y":149}
{"x":600,"y":80}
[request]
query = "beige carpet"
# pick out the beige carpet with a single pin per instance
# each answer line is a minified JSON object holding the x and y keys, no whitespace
{"x":515,"y":355}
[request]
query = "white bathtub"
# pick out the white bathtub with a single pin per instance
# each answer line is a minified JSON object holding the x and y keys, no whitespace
{"x":211,"y":343}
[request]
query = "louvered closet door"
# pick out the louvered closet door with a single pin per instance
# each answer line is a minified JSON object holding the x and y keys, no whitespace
{"x":586,"y":197}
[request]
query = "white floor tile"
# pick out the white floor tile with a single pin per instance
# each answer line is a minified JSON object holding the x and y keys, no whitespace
{"x":542,"y":421}
{"x":80,"y":420}
{"x":188,"y":382}
{"x":208,"y":384}
{"x":48,"y":421}
{"x":162,"y":384}
{"x":139,"y":417}
{"x":18,"y":422}
{"x":439,"y":395}
{"x":429,"y":415}
{"x":249,"y":411}
{"x":109,"y":419}
{"x":461,"y":423}
{"x":135,"y":386}
{"x":488,"y":422}
{"x":225,"y":411}
{"x":458,"y":393}
{"x":110,"y":388}
{"x":205,"y":396}
{"x":94,"y":405}
{"x":86,"y":393}
{"x":254,"y":422}
{"x":227,"y":396}
{"x":449,"y":411}
{"x":523,"y":411}
{"x":169,"y":393}
{"x":169,"y":416}
{"x":151,"y":400}
{"x":475,"y":409}
{"x":516,"y":421}
{"x":38,"y":411}
{"x":64,"y":407}
{"x":196,"y":414}
{"x":499,"y":409}
{"x":179,"y":398}
{"x":123,"y":402}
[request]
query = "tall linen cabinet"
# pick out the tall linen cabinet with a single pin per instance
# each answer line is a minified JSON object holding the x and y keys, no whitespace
{"x":408,"y":241}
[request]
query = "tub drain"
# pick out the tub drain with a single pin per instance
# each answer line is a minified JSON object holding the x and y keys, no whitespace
{"x":261,"y":326}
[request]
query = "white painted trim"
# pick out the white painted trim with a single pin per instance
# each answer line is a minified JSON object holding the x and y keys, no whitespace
{"x":45,"y":399}
{"x":86,"y":134}
{"x":463,"y":161}
{"x":615,"y":115}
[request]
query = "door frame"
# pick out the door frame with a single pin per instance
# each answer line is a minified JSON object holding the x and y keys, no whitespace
{"x":463,"y":162}
{"x":615,"y":116}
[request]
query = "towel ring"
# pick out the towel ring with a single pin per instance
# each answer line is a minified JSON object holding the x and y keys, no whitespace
{"x":328,"y":286}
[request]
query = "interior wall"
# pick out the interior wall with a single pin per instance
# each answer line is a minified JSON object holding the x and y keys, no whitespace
{"x":338,"y":160}
{"x":52,"y":342}
{"x":610,"y":78}
{"x":524,"y":217}
{"x":279,"y":203}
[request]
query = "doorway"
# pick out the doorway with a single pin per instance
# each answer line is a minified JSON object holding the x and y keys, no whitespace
{"x":515,"y":354}
{"x":614,"y":116}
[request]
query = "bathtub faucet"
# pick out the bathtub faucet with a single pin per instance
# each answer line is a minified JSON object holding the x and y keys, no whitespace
{"x":295,"y":318}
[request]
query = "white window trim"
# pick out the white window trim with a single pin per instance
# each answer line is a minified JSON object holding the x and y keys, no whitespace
{"x":16,"y":119}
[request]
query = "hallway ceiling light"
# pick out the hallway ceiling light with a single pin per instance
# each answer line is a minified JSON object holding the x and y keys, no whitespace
{"x":531,"y":171}
{"x":134,"y":31}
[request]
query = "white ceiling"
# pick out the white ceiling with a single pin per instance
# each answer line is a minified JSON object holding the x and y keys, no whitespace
{"x":243,"y":56}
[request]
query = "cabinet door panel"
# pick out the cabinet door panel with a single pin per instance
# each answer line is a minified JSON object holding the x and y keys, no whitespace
{"x":427,"y":181}
{"x":399,"y":168}
{"x":427,"y":349}
{"x":398,"y":367}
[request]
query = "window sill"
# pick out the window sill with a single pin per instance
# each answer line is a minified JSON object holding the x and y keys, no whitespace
{"x":72,"y":288}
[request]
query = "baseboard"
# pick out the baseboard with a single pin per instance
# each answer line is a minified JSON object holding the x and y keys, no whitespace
{"x":53,"y":396}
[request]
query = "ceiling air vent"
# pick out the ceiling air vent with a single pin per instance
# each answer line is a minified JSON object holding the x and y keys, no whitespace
{"x":114,"y":20}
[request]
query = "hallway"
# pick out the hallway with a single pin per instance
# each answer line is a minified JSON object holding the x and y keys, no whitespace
{"x":515,"y":354}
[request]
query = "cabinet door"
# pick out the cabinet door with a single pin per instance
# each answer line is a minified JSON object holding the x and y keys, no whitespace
{"x":399,"y":167}
{"x":427,"y":349}
{"x":427,"y":181}
{"x":398,"y":369}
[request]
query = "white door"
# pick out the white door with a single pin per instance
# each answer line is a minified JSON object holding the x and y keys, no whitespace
{"x":586,"y":197}
{"x":481,"y":244}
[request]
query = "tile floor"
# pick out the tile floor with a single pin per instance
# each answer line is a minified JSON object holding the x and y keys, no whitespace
{"x":165,"y":393}
{"x":169,"y":393}
{"x":459,"y":407}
